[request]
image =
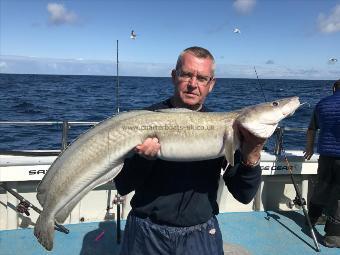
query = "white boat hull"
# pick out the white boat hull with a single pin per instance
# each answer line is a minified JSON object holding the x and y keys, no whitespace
{"x":22,"y":173}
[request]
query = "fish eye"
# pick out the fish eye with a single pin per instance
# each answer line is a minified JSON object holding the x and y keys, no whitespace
{"x":275,"y":103}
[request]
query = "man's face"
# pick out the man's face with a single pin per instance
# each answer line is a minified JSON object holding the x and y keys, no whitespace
{"x":193,"y":81}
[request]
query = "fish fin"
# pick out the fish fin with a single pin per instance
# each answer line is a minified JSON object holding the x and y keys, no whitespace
{"x":63,"y":213}
{"x":232,"y":143}
{"x":44,"y":231}
{"x":174,"y":110}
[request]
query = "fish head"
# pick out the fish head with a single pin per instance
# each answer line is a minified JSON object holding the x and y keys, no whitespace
{"x":261,"y":120}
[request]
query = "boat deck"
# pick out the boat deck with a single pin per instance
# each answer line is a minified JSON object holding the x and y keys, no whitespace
{"x":261,"y":233}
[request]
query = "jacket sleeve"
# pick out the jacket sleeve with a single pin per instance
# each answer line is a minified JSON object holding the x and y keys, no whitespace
{"x":133,"y":174}
{"x":242,"y":181}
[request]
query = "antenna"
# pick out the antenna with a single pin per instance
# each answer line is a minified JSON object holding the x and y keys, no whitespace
{"x":117,"y":84}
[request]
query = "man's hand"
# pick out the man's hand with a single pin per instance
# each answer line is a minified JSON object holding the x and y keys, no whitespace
{"x":308,"y":153}
{"x":251,"y":146}
{"x":309,"y":150}
{"x":149,"y":148}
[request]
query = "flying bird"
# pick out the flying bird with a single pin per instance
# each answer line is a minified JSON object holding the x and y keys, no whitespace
{"x":133,"y":35}
{"x":332,"y":60}
{"x":237,"y":31}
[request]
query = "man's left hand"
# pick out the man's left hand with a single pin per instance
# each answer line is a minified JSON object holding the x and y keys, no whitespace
{"x":251,"y":146}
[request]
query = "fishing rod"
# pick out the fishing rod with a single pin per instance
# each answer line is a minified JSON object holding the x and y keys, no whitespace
{"x":258,"y":81}
{"x":298,"y":200}
{"x":25,"y":205}
{"x":117,"y":84}
{"x":118,"y":200}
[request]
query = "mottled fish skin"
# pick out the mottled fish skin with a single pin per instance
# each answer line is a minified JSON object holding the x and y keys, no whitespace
{"x":98,"y":155}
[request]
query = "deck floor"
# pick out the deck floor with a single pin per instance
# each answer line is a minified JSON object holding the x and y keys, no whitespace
{"x":261,"y":233}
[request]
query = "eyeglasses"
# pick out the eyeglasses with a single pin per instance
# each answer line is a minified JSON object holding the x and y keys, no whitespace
{"x":186,"y":76}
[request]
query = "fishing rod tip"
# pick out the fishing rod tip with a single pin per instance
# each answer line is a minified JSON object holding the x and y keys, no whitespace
{"x":305,"y":103}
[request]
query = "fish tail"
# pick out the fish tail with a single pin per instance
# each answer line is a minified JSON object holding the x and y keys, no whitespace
{"x":44,"y":231}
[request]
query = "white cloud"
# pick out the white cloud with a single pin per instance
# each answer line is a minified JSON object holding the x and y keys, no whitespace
{"x":35,"y":65}
{"x":330,"y":24}
{"x":244,"y":6}
{"x":3,"y":65}
{"x":275,"y":72}
{"x":60,"y":15}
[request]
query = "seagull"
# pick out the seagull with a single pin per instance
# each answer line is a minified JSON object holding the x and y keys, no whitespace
{"x":332,"y":60}
{"x":237,"y":31}
{"x":133,"y":35}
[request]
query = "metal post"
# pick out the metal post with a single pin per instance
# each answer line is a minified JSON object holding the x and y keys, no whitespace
{"x":64,"y":137}
{"x":118,"y":200}
{"x":278,"y":141}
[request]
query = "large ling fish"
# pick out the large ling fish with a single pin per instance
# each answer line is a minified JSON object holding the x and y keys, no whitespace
{"x":97,"y":156}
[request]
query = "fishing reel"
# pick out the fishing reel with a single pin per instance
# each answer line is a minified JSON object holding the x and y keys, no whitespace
{"x":118,"y":200}
{"x":23,"y":207}
{"x":296,"y":202}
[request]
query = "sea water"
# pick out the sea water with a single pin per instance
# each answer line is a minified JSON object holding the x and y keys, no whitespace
{"x":93,"y":98}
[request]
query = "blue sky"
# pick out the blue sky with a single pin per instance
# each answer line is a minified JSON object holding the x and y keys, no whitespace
{"x":283,"y":39}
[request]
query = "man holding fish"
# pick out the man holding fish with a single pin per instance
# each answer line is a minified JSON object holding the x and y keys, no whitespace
{"x":174,"y":205}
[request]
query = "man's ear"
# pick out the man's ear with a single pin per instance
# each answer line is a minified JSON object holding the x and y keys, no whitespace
{"x":173,"y":76}
{"x":212,"y":84}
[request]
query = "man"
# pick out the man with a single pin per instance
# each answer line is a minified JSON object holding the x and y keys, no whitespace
{"x":326,"y":193}
{"x":174,"y":205}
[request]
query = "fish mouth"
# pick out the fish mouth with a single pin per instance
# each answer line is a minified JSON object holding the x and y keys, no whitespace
{"x":290,"y":114}
{"x":298,"y":106}
{"x":291,"y":107}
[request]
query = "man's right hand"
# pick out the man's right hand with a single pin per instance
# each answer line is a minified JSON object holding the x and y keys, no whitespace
{"x":308,"y":153}
{"x":149,"y":148}
{"x":309,"y":150}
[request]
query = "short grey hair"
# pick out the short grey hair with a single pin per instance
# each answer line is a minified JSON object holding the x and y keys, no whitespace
{"x":198,"y":52}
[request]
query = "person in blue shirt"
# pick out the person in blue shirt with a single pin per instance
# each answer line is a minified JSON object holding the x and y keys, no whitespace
{"x":174,"y":204}
{"x":326,"y":194}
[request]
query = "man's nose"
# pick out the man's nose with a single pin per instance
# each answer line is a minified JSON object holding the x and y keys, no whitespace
{"x":193,"y":81}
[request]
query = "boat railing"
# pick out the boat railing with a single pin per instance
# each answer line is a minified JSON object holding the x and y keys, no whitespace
{"x":279,"y":134}
{"x":66,"y":125}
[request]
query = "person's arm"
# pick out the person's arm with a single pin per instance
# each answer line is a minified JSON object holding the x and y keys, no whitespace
{"x":310,"y":137}
{"x":244,"y":178}
{"x":137,"y":168}
{"x":309,"y":149}
{"x":242,"y":181}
